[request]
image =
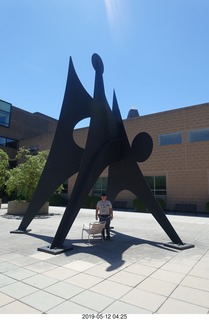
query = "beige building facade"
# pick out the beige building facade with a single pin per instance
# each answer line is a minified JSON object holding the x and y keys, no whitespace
{"x":180,"y":154}
{"x":177,"y":170}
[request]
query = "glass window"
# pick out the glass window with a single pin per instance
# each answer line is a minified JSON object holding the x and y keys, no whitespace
{"x":170,"y":138}
{"x":198,"y":135}
{"x":160,"y":185}
{"x":157,"y":184}
{"x":5,"y":110}
{"x":100,"y":186}
{"x":2,"y":142}
{"x":150,"y":181}
{"x":10,"y":143}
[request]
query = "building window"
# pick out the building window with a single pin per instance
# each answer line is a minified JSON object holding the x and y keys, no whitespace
{"x":170,"y":138}
{"x":157,"y":184}
{"x":100,"y":186}
{"x":9,"y":143}
{"x":198,"y":135}
{"x":5,"y":111}
{"x":2,"y":142}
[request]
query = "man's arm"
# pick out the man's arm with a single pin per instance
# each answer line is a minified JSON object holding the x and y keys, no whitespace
{"x":96,"y":213}
{"x":111,"y":213}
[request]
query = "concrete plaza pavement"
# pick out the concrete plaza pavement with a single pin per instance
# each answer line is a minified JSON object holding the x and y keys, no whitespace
{"x":133,"y":273}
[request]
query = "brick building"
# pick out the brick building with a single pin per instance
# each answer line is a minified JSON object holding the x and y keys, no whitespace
{"x":177,"y":170}
{"x":18,"y":126}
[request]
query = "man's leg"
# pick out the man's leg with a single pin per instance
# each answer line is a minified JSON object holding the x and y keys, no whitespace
{"x":107,"y":227}
{"x":103,"y":231}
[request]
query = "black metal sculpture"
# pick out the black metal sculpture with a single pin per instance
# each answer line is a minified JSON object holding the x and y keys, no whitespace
{"x":107,"y":145}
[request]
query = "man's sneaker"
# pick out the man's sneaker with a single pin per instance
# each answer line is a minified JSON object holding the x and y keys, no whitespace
{"x":107,"y":238}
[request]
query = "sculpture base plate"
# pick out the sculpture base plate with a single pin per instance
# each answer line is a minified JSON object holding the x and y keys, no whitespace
{"x":54,"y":251}
{"x":20,"y":231}
{"x":177,"y":246}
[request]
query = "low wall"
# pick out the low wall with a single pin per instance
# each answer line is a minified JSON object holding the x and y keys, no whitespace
{"x":19,"y":208}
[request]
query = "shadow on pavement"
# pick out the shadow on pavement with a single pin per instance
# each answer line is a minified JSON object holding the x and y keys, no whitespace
{"x":110,"y":251}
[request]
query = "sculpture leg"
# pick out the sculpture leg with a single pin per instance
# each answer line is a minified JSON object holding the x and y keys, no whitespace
{"x":88,"y":175}
{"x":126,"y":175}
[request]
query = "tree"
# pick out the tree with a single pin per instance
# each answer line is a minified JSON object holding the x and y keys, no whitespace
{"x":4,"y":165}
{"x":23,"y":179}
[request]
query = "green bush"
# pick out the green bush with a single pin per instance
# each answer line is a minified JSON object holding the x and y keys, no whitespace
{"x":207,"y":206}
{"x":162,"y":203}
{"x":24,"y":178}
{"x":4,"y":165}
{"x":57,"y":200}
{"x":139,"y":205}
{"x":90,"y":202}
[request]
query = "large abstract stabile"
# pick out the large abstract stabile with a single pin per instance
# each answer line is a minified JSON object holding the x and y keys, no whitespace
{"x":107,"y":145}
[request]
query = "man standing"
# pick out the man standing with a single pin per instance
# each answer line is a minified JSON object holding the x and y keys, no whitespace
{"x":104,"y":207}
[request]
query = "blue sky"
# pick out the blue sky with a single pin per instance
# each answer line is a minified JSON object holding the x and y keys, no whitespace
{"x":155,"y":52}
